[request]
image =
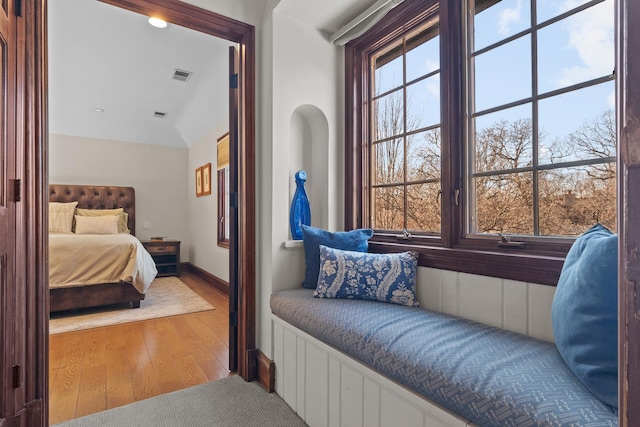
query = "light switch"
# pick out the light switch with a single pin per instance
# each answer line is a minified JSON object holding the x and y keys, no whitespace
{"x":146,"y":224}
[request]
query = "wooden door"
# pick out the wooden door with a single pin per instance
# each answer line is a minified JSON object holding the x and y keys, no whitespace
{"x":12,"y":332}
{"x":233,"y":207}
{"x":23,"y":218}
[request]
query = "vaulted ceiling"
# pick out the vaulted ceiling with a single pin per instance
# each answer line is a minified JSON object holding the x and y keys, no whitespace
{"x":105,"y":58}
{"x":110,"y":71}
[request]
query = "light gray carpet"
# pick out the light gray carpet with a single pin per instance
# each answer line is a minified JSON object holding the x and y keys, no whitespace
{"x":230,"y":402}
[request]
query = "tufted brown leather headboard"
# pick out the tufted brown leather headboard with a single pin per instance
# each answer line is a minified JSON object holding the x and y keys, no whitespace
{"x":97,"y":197}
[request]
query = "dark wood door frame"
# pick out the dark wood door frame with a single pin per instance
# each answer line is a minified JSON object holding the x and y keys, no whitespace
{"x":628,"y":126}
{"x":33,"y":103}
{"x":186,"y":15}
{"x":234,"y":100}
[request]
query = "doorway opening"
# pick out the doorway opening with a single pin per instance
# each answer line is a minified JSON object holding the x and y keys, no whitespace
{"x":241,"y":254}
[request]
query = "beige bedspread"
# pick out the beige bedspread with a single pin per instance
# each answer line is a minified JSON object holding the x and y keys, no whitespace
{"x":89,"y":259}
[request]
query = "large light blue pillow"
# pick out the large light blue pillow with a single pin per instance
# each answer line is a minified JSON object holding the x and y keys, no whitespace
{"x":585,"y":312}
{"x":377,"y":277}
{"x":354,"y":240}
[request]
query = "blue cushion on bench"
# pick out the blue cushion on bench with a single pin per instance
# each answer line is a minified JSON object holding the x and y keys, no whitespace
{"x":490,"y":376}
{"x":376,"y":277}
{"x":312,"y":238}
{"x":585,"y":312}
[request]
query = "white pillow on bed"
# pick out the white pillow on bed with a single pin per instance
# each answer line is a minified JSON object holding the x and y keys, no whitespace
{"x":96,"y":224}
{"x":61,"y":216}
{"x":122,"y":215}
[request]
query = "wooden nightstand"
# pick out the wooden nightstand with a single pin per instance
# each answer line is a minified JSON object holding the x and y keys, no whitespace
{"x":166,"y":255}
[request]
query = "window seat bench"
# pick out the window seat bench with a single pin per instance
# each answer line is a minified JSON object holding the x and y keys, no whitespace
{"x":353,"y":362}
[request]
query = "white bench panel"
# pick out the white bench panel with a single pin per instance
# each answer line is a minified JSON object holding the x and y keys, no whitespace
{"x":289,"y":373}
{"x":371,"y":405}
{"x":540,"y":300}
{"x":508,"y":304}
{"x":334,"y":392}
{"x":351,"y":393}
{"x":300,"y":376}
{"x":396,"y":411}
{"x":515,"y":305}
{"x":480,"y":299}
{"x":316,"y":395}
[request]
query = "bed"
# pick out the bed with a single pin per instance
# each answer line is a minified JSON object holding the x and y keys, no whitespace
{"x":87,"y":269}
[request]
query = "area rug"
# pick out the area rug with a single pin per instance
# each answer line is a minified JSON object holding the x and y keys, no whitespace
{"x":167,"y":296}
{"x":229,"y":402}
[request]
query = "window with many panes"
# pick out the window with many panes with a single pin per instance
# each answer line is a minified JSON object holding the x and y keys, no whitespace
{"x":405,"y":126}
{"x":541,"y":151}
{"x":482,"y":133}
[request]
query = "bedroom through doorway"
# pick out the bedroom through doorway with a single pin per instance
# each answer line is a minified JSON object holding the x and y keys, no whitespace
{"x":90,"y":143}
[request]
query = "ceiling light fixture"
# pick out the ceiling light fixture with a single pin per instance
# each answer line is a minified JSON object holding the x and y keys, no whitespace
{"x":98,"y":110}
{"x":157,"y":22}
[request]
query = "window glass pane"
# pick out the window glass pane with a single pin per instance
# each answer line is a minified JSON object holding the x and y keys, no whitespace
{"x":504,"y":139}
{"x":577,"y":49}
{"x":423,"y":59}
{"x":423,"y":103}
{"x":388,"y":75}
{"x":504,"y":204}
{"x":389,"y":115}
{"x":547,"y":9}
{"x":578,"y":125}
{"x":423,"y":210}
{"x":502,"y":20}
{"x":423,"y":156}
{"x":503,"y":74}
{"x":574,"y":199}
{"x":388,"y":208}
{"x":388,"y":162}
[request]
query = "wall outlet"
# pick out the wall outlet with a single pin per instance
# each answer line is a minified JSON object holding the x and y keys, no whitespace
{"x":146,"y":225}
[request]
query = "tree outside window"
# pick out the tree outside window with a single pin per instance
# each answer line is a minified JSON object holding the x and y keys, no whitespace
{"x":481,"y":123}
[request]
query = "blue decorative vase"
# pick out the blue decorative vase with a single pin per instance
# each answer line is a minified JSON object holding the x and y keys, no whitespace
{"x":300,"y":211}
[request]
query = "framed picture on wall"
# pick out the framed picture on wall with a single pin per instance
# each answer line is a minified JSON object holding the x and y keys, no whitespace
{"x":206,"y":179}
{"x":199,"y":182}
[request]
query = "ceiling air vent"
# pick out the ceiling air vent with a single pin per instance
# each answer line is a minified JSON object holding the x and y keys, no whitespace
{"x":182,"y":75}
{"x":159,"y":114}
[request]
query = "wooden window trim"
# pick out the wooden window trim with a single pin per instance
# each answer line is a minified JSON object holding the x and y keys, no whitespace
{"x":542,"y":258}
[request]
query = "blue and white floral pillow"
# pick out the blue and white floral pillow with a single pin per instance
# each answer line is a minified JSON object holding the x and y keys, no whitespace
{"x":377,"y":277}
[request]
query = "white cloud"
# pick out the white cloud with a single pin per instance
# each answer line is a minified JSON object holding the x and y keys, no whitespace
{"x":509,"y":16}
{"x":611,"y":99}
{"x":432,"y":65}
{"x":591,"y":36}
{"x":433,"y":86}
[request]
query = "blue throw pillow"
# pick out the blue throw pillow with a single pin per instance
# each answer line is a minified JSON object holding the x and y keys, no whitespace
{"x":585,"y":312}
{"x":377,"y":277}
{"x":354,"y":240}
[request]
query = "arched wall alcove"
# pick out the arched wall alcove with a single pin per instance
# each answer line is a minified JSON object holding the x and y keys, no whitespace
{"x":309,"y":150}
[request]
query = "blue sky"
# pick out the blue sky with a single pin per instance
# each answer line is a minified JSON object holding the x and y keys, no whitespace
{"x":570,"y":51}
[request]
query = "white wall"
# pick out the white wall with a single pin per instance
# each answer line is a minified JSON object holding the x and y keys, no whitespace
{"x":307,"y":133}
{"x":158,"y":174}
{"x":202,"y":212}
{"x":300,"y":125}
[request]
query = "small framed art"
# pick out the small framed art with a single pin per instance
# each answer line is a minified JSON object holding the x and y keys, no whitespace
{"x":206,"y":179}
{"x":199,"y":182}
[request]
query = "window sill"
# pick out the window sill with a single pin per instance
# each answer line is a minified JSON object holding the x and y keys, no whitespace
{"x":543,"y":270}
{"x":292,"y":244}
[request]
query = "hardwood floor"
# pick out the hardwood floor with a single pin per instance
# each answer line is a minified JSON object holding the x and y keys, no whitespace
{"x":103,"y":368}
